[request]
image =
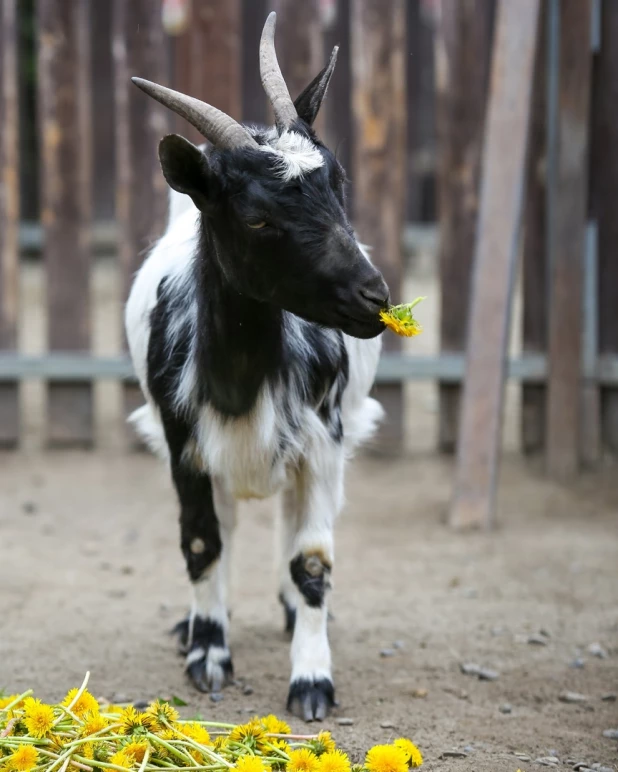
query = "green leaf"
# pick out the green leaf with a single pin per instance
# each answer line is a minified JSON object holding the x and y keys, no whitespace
{"x":178,"y":702}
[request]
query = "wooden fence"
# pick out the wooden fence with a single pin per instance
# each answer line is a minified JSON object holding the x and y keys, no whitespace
{"x":407,"y":110}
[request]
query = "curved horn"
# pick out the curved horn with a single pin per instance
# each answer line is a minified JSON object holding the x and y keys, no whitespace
{"x":272,"y":79}
{"x":224,"y":132}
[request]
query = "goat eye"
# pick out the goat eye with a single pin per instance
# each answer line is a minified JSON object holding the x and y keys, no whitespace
{"x":257,"y":224}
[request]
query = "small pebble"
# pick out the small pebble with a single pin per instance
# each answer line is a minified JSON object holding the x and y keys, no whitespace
{"x":506,"y":708}
{"x":522,"y":756}
{"x":582,"y":766}
{"x":127,"y":570}
{"x":141,"y":704}
{"x":470,"y":668}
{"x":453,"y":755}
{"x":246,"y":690}
{"x":419,"y":693}
{"x":547,"y":761}
{"x":486,"y":674}
{"x":609,"y":697}
{"x":248,"y":710}
{"x":216,"y":697}
{"x":387,"y":725}
{"x":596,"y":650}
{"x":398,"y":644}
{"x":497,"y":631}
{"x":577,"y":663}
{"x":120,"y":698}
{"x":572,"y":697}
{"x":602,"y":768}
{"x":537,"y":640}
{"x":30,"y":508}
{"x":387,"y":652}
{"x":611,"y":734}
{"x":469,"y":748}
{"x":544,"y":631}
{"x":344,"y":721}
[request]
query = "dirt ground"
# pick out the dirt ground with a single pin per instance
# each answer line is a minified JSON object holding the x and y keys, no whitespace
{"x":92,"y":578}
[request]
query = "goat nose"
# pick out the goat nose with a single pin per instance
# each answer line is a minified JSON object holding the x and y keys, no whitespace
{"x":376,"y":293}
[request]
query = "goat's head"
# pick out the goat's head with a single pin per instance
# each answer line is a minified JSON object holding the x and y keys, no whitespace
{"x":274,"y":202}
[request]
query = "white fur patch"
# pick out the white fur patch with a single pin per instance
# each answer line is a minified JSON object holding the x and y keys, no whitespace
{"x":297,"y":154}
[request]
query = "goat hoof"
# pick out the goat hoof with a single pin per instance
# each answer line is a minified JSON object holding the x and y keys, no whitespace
{"x":208,"y":662}
{"x":311,"y":699}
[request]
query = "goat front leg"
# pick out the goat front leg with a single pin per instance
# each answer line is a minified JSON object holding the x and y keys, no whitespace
{"x":319,"y":495}
{"x":207,"y":520}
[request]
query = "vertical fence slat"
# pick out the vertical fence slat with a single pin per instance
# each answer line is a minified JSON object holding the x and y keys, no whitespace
{"x":568,"y":227}
{"x":141,"y":192}
{"x":604,"y":184}
{"x":338,"y":109}
{"x":254,"y":108}
{"x":207,"y":59}
{"x":102,"y":101}
{"x":64,"y":101}
{"x":463,"y":47}
{"x":9,"y":215}
{"x":378,"y":74}
{"x":299,"y":42}
{"x":534,"y":257}
{"x":503,"y":177}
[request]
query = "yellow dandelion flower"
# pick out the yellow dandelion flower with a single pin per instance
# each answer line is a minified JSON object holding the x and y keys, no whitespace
{"x":4,"y":701}
{"x":93,"y":722}
{"x":38,"y":717}
{"x":23,"y":759}
{"x":334,"y":761}
{"x":303,"y":760}
{"x":220,"y":743}
{"x":197,"y":733}
{"x":136,"y":750}
{"x":85,"y":703}
{"x":323,"y":743}
{"x":250,"y":764}
{"x":414,"y":756}
{"x":386,"y":758}
{"x":161,"y":712}
{"x":251,"y":735}
{"x":121,"y":759}
{"x":132,"y":721}
{"x":280,"y":745}
{"x":400,"y":319}
{"x":274,"y":725}
{"x":87,"y":750}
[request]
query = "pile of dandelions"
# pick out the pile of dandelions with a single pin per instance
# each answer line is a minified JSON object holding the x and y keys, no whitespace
{"x":81,"y":733}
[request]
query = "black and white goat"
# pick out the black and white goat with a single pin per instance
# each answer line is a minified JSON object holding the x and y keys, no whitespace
{"x":253,"y":327}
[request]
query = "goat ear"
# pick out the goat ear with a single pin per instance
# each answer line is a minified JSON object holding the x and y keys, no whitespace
{"x":186,"y":169}
{"x":309,"y":102}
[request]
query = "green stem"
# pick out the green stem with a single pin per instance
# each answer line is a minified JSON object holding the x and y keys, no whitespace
{"x":16,"y":701}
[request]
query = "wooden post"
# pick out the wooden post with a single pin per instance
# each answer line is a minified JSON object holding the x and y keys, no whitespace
{"x":502,"y":182}
{"x":9,"y":215}
{"x":254,"y":107}
{"x":378,"y":74}
{"x":207,"y":59}
{"x":141,"y":192}
{"x":64,"y":102}
{"x":299,"y":42}
{"x":604,"y":190}
{"x":534,"y":256}
{"x":463,"y":47}
{"x":568,"y":227}
{"x":102,"y":100}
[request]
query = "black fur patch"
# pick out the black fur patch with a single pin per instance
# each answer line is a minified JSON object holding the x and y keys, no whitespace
{"x":312,"y":588}
{"x":311,"y":699}
{"x":207,"y":633}
{"x":290,"y":614}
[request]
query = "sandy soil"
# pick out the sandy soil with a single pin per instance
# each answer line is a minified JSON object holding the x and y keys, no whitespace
{"x":91,"y":578}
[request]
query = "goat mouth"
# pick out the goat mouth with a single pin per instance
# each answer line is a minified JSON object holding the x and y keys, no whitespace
{"x":357,"y":327}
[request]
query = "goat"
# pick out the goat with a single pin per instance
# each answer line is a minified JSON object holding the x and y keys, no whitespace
{"x":254,"y":330}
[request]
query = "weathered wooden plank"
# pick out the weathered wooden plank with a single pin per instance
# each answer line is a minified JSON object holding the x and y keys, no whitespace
{"x":9,"y":215}
{"x":462,"y":51}
{"x":567,"y":223}
{"x":254,"y":107}
{"x":102,"y":101}
{"x":64,"y":92}
{"x":604,"y":193}
{"x":534,"y":257}
{"x":378,"y":89}
{"x":502,"y":182}
{"x":207,"y":59}
{"x":141,"y":192}
{"x":338,"y":105}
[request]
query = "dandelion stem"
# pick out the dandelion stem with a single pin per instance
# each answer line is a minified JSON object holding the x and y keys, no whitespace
{"x":16,"y":701}
{"x":79,"y":693}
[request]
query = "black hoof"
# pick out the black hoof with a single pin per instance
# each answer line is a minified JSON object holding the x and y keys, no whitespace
{"x":290,"y":615}
{"x":208,"y":664}
{"x":311,"y":699}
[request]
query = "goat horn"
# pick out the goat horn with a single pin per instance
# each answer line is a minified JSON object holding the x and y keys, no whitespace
{"x":272,"y":79}
{"x":224,"y":132}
